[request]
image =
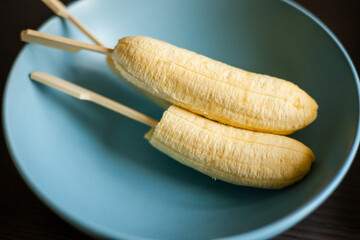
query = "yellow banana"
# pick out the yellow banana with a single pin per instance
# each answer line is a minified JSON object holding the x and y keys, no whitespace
{"x":211,"y":88}
{"x":231,"y":154}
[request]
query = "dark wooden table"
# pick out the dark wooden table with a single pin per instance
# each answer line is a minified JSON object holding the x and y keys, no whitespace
{"x":24,"y":216}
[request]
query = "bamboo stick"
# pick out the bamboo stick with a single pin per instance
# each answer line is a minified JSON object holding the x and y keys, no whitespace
{"x":87,"y":95}
{"x":62,"y":43}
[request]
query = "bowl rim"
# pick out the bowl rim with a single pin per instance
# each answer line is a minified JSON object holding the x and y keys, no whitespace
{"x":267,"y":231}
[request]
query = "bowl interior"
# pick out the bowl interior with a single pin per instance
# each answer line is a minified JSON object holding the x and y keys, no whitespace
{"x":95,"y":167}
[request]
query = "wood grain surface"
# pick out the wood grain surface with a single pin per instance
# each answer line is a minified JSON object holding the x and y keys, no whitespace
{"x":24,"y":216}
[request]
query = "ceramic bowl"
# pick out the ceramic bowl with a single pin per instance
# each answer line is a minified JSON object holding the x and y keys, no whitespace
{"x":94,"y":168}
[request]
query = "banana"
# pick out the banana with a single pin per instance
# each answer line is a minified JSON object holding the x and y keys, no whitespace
{"x":230,"y":154}
{"x":212,"y":89}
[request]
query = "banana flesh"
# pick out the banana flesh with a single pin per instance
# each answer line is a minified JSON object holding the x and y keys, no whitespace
{"x":231,"y":154}
{"x":212,"y":89}
{"x":159,"y":101}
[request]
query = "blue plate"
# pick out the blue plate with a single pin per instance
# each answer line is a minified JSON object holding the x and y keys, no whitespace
{"x":95,"y":169}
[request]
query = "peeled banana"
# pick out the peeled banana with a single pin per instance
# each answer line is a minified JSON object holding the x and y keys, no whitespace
{"x":212,"y":89}
{"x":231,"y":154}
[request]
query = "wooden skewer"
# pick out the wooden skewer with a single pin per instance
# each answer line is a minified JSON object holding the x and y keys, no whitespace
{"x":60,"y":9}
{"x":62,"y":43}
{"x":87,"y":95}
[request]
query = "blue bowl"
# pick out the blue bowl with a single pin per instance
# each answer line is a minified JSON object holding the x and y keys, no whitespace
{"x":95,"y":169}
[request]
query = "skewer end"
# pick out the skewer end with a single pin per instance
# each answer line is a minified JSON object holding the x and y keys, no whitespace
{"x":23,"y":33}
{"x":57,"y":7}
{"x":33,"y":76}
